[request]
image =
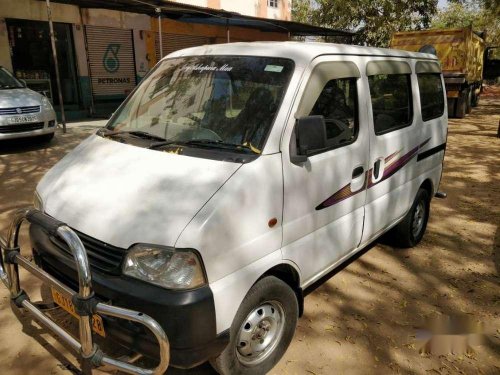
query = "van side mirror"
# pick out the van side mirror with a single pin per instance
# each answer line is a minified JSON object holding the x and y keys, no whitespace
{"x":23,"y":82}
{"x":310,"y":133}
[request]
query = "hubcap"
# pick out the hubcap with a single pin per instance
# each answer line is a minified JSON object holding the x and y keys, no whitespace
{"x":418,"y":219}
{"x":260,"y":333}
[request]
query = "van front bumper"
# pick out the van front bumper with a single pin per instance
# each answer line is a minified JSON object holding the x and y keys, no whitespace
{"x":187,"y":317}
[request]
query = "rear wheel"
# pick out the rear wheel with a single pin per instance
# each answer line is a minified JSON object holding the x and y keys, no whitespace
{"x":475,"y":98}
{"x":261,"y":331}
{"x":468,"y":107}
{"x":409,"y":232}
{"x":461,"y":105}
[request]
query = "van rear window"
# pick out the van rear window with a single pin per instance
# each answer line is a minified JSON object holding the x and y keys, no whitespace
{"x":431,"y":95}
{"x":391,"y":101}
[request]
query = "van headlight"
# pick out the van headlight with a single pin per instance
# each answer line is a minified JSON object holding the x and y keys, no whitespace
{"x":164,"y":266}
{"x":37,"y":201}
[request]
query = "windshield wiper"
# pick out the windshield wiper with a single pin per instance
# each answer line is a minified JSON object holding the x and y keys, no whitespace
{"x":136,"y":133}
{"x":205,"y":143}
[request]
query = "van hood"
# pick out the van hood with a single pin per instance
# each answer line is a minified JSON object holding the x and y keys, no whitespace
{"x":123,"y":194}
{"x":19,"y":98}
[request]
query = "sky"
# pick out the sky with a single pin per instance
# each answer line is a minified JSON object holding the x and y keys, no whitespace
{"x":442,"y":3}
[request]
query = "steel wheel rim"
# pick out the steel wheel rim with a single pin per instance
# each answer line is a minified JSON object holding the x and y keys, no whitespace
{"x":260,"y":333}
{"x":418,"y":219}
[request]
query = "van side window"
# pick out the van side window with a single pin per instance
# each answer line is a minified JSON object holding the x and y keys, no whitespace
{"x":431,"y":95}
{"x":391,"y":101}
{"x":338,"y":104}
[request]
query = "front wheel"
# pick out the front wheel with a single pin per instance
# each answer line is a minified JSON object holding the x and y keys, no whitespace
{"x":409,"y":232}
{"x":261,"y":331}
{"x":46,"y":138}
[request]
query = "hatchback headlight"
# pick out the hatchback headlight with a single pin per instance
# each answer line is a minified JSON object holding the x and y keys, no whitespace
{"x":46,"y":103}
{"x":165,"y":266}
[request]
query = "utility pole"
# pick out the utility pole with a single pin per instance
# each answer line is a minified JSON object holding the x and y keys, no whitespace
{"x":158,"y":11}
{"x":54,"y":55}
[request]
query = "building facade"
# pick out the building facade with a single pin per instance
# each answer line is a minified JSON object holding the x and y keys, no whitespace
{"x":274,"y":9}
{"x":104,"y":53}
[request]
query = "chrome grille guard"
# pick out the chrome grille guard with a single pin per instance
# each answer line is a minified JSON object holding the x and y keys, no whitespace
{"x":85,"y":303}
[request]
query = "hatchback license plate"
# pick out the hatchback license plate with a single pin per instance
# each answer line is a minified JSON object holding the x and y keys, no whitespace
{"x":67,"y":305}
{"x":22,"y":119}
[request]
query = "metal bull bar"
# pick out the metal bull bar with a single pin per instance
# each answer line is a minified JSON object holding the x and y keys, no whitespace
{"x":85,"y":302}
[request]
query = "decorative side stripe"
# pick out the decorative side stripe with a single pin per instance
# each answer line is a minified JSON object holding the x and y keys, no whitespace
{"x":430,"y":152}
{"x":341,"y":195}
{"x":392,"y":165}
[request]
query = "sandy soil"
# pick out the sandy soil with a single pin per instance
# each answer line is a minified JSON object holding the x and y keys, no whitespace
{"x":363,"y":320}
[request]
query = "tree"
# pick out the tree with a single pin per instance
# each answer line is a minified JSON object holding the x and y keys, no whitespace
{"x":483,"y":15}
{"x":373,"y":20}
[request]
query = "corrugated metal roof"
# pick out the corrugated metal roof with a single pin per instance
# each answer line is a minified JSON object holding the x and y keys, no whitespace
{"x":195,"y":14}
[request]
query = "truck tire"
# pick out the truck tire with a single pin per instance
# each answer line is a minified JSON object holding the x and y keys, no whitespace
{"x":468,"y":102}
{"x":475,"y":99}
{"x":409,"y":232}
{"x":261,"y":331}
{"x":461,"y":105}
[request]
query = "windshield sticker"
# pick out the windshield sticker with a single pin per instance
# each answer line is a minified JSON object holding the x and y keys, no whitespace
{"x":274,"y":68}
{"x":208,"y":68}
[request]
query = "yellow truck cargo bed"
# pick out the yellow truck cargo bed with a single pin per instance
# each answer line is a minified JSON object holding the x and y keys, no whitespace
{"x":461,"y":53}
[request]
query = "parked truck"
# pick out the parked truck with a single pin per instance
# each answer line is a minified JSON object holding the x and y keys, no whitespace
{"x":461,"y":53}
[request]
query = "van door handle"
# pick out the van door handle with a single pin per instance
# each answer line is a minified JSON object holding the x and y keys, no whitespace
{"x":358,"y":171}
{"x":378,"y":168}
{"x":358,"y":179}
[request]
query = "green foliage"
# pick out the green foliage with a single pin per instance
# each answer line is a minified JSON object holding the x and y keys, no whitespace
{"x":373,"y":20}
{"x":483,"y":15}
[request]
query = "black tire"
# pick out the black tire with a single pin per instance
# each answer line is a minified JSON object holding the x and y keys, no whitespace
{"x":461,"y":105}
{"x":46,"y":137}
{"x":468,"y":107}
{"x":406,"y":234}
{"x":475,"y":99}
{"x":267,"y":290}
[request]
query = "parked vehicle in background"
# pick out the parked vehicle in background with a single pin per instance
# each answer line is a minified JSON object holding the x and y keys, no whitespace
{"x":23,"y":112}
{"x":461,"y":53}
{"x":492,"y":64}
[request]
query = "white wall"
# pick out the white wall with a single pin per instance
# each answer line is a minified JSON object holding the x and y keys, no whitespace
{"x":246,"y":7}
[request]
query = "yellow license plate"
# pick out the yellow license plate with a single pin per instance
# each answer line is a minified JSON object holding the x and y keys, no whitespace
{"x":67,"y":305}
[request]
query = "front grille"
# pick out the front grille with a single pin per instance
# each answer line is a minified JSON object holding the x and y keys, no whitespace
{"x":20,"y":110}
{"x":18,"y":128}
{"x":102,"y":256}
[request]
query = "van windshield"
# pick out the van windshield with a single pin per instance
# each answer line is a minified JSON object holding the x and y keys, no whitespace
{"x":207,"y":101}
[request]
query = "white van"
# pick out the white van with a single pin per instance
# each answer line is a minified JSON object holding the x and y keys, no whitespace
{"x":237,"y":175}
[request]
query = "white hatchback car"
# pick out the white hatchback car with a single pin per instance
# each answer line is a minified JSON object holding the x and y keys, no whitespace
{"x":23,"y":112}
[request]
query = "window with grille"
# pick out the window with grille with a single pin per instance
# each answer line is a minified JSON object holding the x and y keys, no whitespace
{"x":272,"y":3}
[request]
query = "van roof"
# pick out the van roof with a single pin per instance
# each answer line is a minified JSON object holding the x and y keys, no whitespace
{"x":301,"y":52}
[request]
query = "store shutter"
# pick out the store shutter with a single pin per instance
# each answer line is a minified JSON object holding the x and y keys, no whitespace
{"x":111,"y":60}
{"x":174,"y":42}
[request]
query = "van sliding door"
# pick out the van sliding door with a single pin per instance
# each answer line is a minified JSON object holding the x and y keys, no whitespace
{"x":394,"y":143}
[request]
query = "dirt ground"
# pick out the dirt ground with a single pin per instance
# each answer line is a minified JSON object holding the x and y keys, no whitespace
{"x":364,"y":318}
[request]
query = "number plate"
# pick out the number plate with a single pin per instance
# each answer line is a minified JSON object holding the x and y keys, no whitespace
{"x":67,"y":305}
{"x":22,"y":119}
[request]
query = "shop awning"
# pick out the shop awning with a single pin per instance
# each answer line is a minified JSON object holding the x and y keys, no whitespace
{"x":194,"y":14}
